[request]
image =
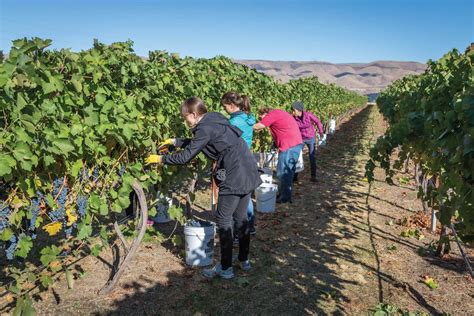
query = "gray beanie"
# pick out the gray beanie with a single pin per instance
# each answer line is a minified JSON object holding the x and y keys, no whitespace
{"x":299,"y":106}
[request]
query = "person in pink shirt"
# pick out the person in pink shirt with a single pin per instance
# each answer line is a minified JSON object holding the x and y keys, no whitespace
{"x":306,"y":122}
{"x":287,"y":137}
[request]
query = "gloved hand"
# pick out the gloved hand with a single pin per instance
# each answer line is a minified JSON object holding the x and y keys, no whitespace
{"x":169,"y":141}
{"x":163,"y":147}
{"x":156,"y":159}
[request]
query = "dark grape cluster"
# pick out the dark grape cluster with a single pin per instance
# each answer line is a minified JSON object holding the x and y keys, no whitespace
{"x":68,"y":230}
{"x":84,"y":175}
{"x":81,"y":205}
{"x":35,"y":207}
{"x":11,"y":248}
{"x":60,"y":213}
{"x":4,"y":189}
{"x":95,"y":174}
{"x":4,"y":213}
{"x":121,"y":171}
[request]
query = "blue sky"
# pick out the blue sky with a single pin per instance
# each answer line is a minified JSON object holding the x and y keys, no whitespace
{"x":326,"y":30}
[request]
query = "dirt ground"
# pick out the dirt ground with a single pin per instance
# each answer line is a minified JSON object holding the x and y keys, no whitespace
{"x":336,"y":250}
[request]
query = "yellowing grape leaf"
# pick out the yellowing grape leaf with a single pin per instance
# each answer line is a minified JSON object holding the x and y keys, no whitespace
{"x":55,"y":265}
{"x":431,"y":283}
{"x":71,"y":218}
{"x":9,"y":298}
{"x":38,"y":182}
{"x":52,"y":228}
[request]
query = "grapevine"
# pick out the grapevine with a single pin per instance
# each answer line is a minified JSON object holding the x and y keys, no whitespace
{"x":76,"y":126}
{"x":431,"y":120}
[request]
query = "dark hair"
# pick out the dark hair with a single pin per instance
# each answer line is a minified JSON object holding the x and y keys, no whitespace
{"x":194,"y":105}
{"x":264,"y":110}
{"x":246,"y":104}
{"x":242,"y":102}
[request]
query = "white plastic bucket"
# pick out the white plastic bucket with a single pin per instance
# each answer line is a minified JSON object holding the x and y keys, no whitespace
{"x":332,"y":126}
{"x":267,"y":175}
{"x":256,"y":156}
{"x":266,"y":197}
{"x":267,"y":159}
{"x":199,"y":242}
{"x":271,"y":159}
{"x":162,"y":207}
{"x":300,"y":163}
{"x":266,"y":178}
{"x":323,"y":141}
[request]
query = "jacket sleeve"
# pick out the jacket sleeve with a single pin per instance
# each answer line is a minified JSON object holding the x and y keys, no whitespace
{"x":182,"y":142}
{"x":191,"y":149}
{"x":316,"y":121}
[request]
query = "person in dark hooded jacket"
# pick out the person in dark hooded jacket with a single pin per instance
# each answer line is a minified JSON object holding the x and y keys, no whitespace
{"x":236,"y":175}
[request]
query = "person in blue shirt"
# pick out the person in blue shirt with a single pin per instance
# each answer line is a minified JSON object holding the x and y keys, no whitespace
{"x":240,"y":116}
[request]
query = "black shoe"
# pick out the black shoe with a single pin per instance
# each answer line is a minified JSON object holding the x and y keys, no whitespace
{"x":313,"y":179}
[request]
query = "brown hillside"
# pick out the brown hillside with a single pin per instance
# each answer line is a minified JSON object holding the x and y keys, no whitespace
{"x":364,"y":78}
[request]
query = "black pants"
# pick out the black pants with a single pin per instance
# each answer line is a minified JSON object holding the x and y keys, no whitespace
{"x":232,"y":214}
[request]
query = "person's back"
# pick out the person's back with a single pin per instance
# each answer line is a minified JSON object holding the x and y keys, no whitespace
{"x":235,"y":173}
{"x":306,"y":121}
{"x":222,"y":134}
{"x":286,"y":135}
{"x":239,"y":109}
{"x":245,"y":123}
{"x":284,"y":129}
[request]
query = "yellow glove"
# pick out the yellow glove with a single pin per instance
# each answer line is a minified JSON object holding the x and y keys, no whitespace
{"x":163,"y":147}
{"x":169,"y":141}
{"x":157,"y":159}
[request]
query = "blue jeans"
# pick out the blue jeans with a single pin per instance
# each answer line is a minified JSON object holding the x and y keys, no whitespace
{"x":311,"y":143}
{"x":286,"y":170}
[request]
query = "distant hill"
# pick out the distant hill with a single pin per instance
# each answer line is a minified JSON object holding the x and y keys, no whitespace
{"x":369,"y":78}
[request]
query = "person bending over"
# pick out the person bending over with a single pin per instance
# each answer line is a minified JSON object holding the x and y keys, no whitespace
{"x":287,"y":138}
{"x":235,"y":173}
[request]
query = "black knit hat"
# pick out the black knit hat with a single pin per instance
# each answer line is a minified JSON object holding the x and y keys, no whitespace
{"x":299,"y":106}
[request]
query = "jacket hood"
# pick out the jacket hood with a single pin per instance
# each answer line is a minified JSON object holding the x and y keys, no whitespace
{"x":248,"y":118}
{"x":213,"y":118}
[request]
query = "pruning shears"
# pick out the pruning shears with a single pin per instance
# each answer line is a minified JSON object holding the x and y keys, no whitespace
{"x":163,"y":149}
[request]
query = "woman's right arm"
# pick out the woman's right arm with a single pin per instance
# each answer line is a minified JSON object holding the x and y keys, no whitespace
{"x":182,"y":142}
{"x":192,"y":147}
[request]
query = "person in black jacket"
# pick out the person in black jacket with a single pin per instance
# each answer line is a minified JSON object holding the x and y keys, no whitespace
{"x":236,"y":175}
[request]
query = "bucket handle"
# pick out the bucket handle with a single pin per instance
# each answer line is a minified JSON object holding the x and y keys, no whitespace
{"x":198,"y":237}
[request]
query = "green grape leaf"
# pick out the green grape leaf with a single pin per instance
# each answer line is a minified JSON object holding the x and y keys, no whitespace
{"x":84,"y":231}
{"x":24,"y":246}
